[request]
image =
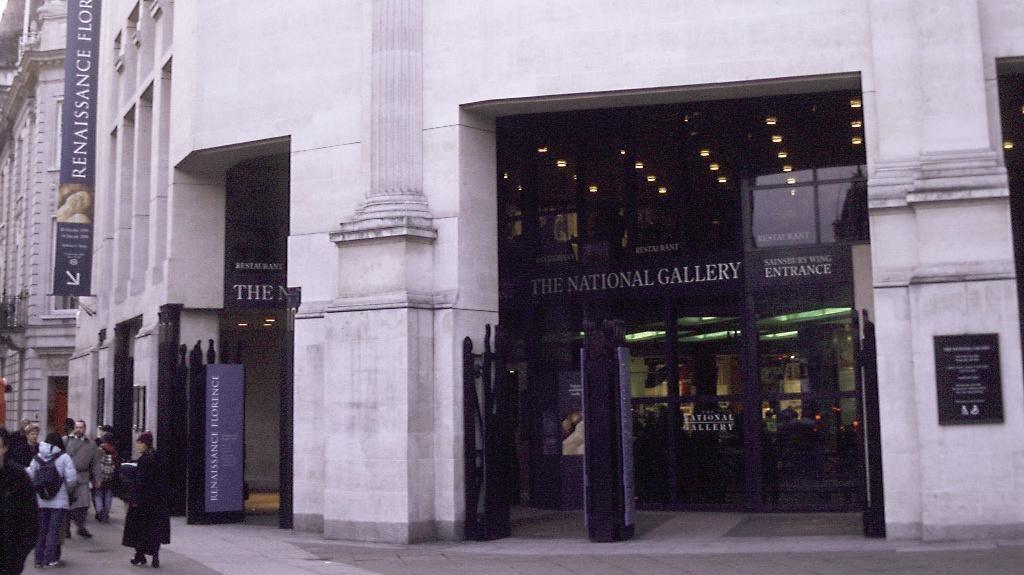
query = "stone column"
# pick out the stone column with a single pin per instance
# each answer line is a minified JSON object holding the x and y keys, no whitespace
{"x":378,"y":393}
{"x":943,"y":264}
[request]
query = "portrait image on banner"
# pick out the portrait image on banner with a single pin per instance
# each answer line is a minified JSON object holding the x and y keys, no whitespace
{"x":76,"y":195}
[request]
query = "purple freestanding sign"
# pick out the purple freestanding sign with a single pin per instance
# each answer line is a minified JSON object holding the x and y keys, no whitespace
{"x":223,"y":447}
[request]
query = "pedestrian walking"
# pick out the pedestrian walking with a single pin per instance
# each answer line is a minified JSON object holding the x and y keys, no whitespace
{"x":52,"y":496}
{"x":23,"y":451}
{"x":147,"y":524}
{"x":83,"y":453}
{"x":103,"y":484}
{"x":18,"y":512}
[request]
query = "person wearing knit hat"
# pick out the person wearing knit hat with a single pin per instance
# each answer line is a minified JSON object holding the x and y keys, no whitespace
{"x":147,"y":525}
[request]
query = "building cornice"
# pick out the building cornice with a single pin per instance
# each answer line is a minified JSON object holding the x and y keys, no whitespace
{"x":25,"y":78}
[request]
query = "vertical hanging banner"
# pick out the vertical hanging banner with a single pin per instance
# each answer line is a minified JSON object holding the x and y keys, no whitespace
{"x":72,"y":273}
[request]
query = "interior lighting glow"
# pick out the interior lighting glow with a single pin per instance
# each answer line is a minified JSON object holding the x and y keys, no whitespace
{"x":504,"y":176}
{"x":856,"y":140}
{"x":776,"y":138}
{"x":771,"y":120}
{"x":663,"y":190}
{"x":713,"y":167}
{"x":593,"y":189}
{"x":792,"y":192}
{"x":622,"y":152}
{"x":782,"y":155}
{"x":823,"y":313}
{"x":790,"y":180}
{"x":722,"y":179}
{"x":1008,"y":145}
{"x":561,"y":163}
{"x":710,"y":336}
{"x":270,"y":320}
{"x":787,"y":168}
{"x":779,"y":335}
{"x":652,"y":178}
{"x":639,"y":165}
{"x":855,"y":103}
{"x":519,"y":188}
{"x":243,"y":324}
{"x":856,"y":124}
{"x":705,"y":153}
{"x":642,"y":335}
{"x":542,"y":150}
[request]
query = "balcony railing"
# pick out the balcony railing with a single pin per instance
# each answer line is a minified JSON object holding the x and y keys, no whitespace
{"x":13,"y":313}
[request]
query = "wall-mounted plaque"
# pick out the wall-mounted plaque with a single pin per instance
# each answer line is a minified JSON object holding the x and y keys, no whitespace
{"x":967,"y":375}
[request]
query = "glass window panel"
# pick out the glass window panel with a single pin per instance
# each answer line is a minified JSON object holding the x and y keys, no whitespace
{"x":709,"y":452}
{"x":843,"y":211}
{"x":650,"y":452}
{"x":783,"y":216}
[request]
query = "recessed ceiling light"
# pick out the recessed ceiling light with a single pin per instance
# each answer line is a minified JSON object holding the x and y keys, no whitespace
{"x":771,"y":120}
{"x":856,"y":124}
{"x":663,"y":190}
{"x":722,"y":179}
{"x":776,"y":138}
{"x":713,"y":167}
{"x":622,"y":152}
{"x":243,"y":324}
{"x":855,"y":103}
{"x":542,"y":149}
{"x":1008,"y":145}
{"x":782,"y":154}
{"x":856,"y":140}
{"x":792,"y":192}
{"x":504,"y":176}
{"x":705,"y":153}
{"x":790,"y":180}
{"x":639,"y":165}
{"x":787,"y":168}
{"x":561,"y":163}
{"x":519,"y":188}
{"x":593,"y":189}
{"x":651,"y":178}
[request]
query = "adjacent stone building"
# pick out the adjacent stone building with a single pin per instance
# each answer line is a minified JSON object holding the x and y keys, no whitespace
{"x":36,"y":329}
{"x":381,"y":154}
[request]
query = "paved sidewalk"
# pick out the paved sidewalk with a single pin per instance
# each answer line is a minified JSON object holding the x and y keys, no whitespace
{"x":553,"y":544}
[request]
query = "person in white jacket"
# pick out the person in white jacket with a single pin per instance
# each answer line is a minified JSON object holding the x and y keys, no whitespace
{"x":52,"y":511}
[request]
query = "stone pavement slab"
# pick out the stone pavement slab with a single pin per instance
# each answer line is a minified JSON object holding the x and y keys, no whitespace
{"x":679,"y":544}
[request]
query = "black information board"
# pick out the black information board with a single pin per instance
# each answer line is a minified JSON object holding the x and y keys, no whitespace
{"x":967,"y":375}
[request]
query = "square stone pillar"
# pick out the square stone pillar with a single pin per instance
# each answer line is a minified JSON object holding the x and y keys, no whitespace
{"x":378,"y":405}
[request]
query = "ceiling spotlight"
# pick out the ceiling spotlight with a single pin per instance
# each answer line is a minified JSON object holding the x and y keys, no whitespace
{"x":790,"y":180}
{"x":856,"y":124}
{"x":722,"y":179}
{"x":855,"y":103}
{"x":639,"y":165}
{"x":593,"y":189}
{"x":856,"y":140}
{"x":504,"y":176}
{"x":705,"y":153}
{"x":787,"y":168}
{"x":1008,"y":145}
{"x":622,"y":152}
{"x":782,"y":154}
{"x":771,"y":120}
{"x":713,"y":167}
{"x":663,"y":190}
{"x":519,"y":188}
{"x":651,"y":178}
{"x":776,"y":138}
{"x":542,"y":149}
{"x":561,"y":163}
{"x":243,"y":324}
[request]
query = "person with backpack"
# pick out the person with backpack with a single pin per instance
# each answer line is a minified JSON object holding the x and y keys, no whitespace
{"x":18,"y":512}
{"x":53,"y":478}
{"x":108,"y":462}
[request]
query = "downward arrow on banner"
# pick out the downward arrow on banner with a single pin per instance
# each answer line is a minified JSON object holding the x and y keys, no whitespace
{"x":74,"y":279}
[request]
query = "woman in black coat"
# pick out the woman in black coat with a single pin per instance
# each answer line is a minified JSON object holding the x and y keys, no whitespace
{"x":148,"y":523}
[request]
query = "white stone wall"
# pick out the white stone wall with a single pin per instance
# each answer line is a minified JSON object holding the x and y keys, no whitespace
{"x":379,"y":335}
{"x":28,"y":178}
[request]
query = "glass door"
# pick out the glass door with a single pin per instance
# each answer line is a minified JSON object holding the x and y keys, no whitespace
{"x":812,"y":437}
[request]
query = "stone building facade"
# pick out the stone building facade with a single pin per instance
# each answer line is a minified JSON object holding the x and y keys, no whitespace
{"x":37,"y":330}
{"x":374,"y":126}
